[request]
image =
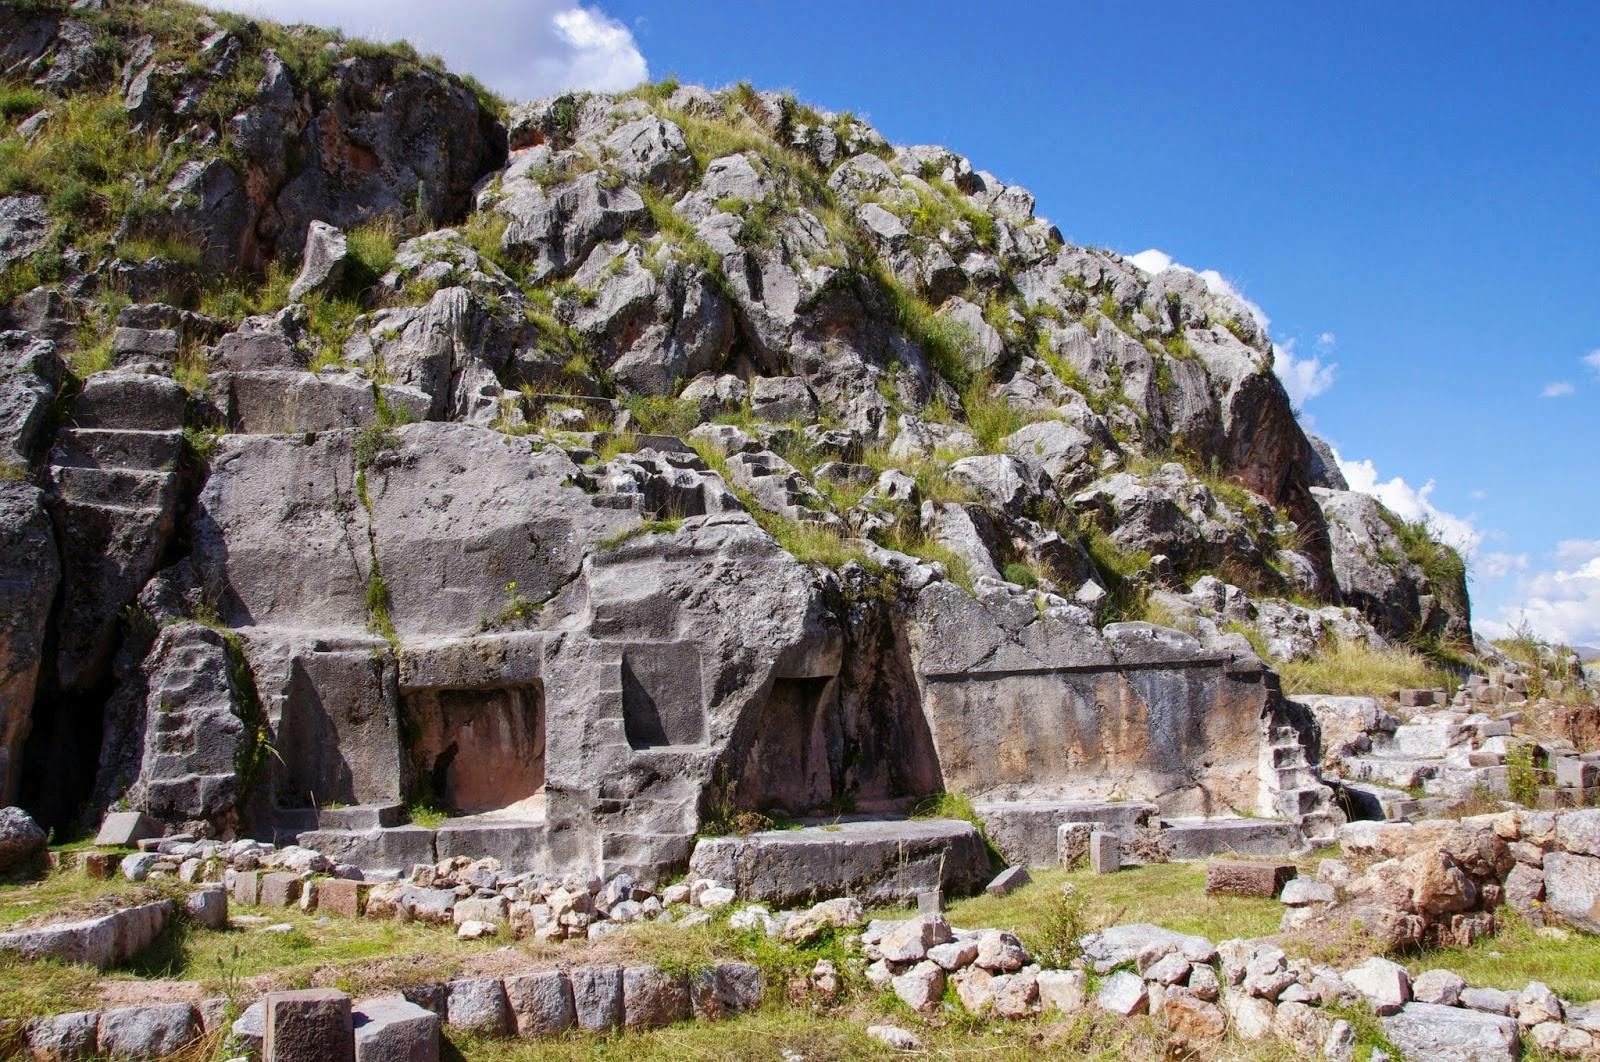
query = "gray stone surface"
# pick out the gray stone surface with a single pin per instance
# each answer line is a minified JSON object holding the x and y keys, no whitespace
{"x":147,"y":1032}
{"x":541,"y":1003}
{"x":393,"y":1029}
{"x":124,"y":829}
{"x":1428,"y":1030}
{"x":478,"y":1004}
{"x":597,"y":996}
{"x":876,"y":861}
{"x":1025,"y":832}
{"x":1572,"y":889}
{"x":21,"y":839}
{"x":71,"y":1037}
{"x":652,"y":997}
{"x":100,"y":942}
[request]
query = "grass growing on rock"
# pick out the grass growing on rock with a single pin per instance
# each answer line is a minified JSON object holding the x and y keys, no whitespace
{"x":1562,"y":958}
{"x":1356,"y":669}
{"x":1164,"y":894}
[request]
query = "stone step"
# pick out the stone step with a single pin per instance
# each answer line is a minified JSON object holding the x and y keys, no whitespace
{"x":519,"y":845}
{"x":355,"y":817}
{"x":1025,"y":831}
{"x":642,"y":853}
{"x":1297,"y":778}
{"x":114,"y":488}
{"x":394,"y":849}
{"x":1404,"y":774}
{"x":1202,"y":838}
{"x":117,"y":448}
{"x":1288,"y":756}
{"x":878,"y":861}
{"x":1304,"y":800}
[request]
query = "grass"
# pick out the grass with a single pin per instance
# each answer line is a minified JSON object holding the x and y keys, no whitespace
{"x":1356,"y":669}
{"x":1561,"y":958}
{"x":1164,"y":894}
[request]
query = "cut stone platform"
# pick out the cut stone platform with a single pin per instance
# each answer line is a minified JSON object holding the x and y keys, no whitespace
{"x":1202,"y":838}
{"x":878,"y":861}
{"x":290,"y":822}
{"x":518,"y":845}
{"x":1025,"y":831}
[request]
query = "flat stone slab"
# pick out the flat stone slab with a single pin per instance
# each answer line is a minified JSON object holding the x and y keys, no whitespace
{"x":878,"y":861}
{"x":1025,"y":832}
{"x":389,"y":848}
{"x":359,"y":817}
{"x":1432,"y":1031}
{"x":124,"y":829}
{"x":1202,"y":838}
{"x":519,"y":845}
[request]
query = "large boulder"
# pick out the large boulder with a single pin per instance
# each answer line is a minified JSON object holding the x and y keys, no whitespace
{"x":21,"y":839}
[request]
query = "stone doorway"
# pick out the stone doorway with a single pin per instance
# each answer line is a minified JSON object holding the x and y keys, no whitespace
{"x":479,"y":751}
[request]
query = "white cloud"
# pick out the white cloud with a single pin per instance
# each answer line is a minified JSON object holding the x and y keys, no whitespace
{"x":523,"y":49}
{"x":1326,"y":340}
{"x":1303,"y":378}
{"x":1479,"y":494}
{"x":1500,"y":565}
{"x":1562,"y":602}
{"x":1592,"y":359}
{"x":1558,"y":389}
{"x":1413,"y":504}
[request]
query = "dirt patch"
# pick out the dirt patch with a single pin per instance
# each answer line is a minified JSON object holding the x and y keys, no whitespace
{"x":79,"y":910}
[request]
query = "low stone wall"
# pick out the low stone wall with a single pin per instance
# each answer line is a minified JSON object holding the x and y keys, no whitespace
{"x":100,"y":942}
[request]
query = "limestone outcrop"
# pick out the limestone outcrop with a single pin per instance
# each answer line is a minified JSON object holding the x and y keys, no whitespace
{"x":719,"y":463}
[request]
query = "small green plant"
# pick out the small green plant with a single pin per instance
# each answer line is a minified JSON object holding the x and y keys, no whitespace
{"x":1055,"y":941}
{"x":1523,"y":775}
{"x":426,"y":814}
{"x":1020,"y":574}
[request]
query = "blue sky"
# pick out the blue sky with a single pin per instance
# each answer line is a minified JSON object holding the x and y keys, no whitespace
{"x":1411,"y":195}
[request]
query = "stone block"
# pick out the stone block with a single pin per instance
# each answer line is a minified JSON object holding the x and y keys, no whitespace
{"x":207,"y":907}
{"x":1386,"y":984}
{"x":541,"y":1003}
{"x":64,"y":1037}
{"x":1238,"y":877}
{"x":341,"y":896}
{"x":1122,"y":994}
{"x":1072,"y":843}
{"x":930,"y":901}
{"x":101,"y":866}
{"x":1572,"y":889}
{"x":1066,"y":991}
{"x":394,"y":1029}
{"x":1008,"y":881}
{"x":280,"y":889}
{"x":312,"y":1025}
{"x":125,"y":829}
{"x":878,"y":862}
{"x":494,"y":910}
{"x":652,"y":997}
{"x":149,"y":1032}
{"x":1105,"y":852}
{"x":247,"y":887}
{"x":478,"y":1004}
{"x":1431,"y":1031}
{"x":597,"y":996}
{"x":728,"y":988}
{"x":1026,"y":832}
{"x":1303,"y":892}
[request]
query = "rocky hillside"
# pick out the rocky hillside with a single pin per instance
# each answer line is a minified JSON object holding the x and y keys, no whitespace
{"x":669,"y":439}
